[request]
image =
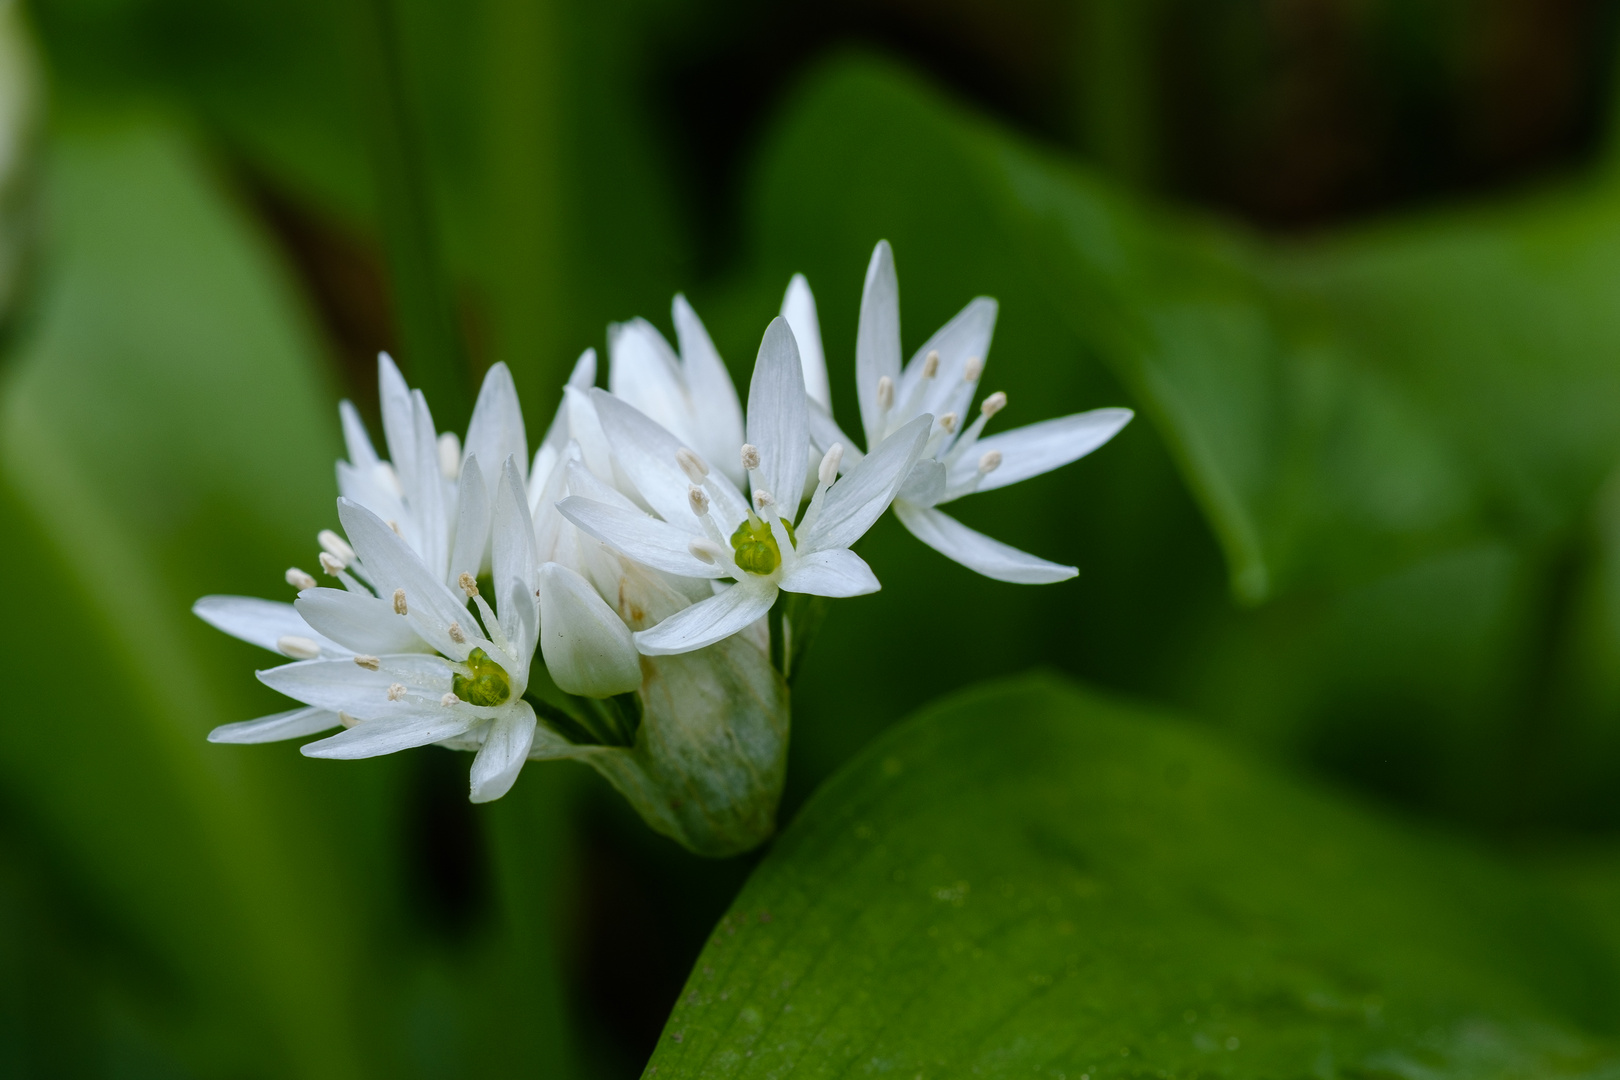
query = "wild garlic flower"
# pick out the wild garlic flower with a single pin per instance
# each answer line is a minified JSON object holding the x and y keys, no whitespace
{"x":707,"y":528}
{"x":941,"y":380}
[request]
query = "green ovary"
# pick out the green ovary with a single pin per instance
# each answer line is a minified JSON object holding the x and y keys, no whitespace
{"x":756,"y":547}
{"x":488,"y":685}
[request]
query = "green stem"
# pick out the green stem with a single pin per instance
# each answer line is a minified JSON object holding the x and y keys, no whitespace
{"x":424,"y":309}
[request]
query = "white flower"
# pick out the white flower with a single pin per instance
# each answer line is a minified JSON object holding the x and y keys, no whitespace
{"x":941,"y":380}
{"x":708,"y":529}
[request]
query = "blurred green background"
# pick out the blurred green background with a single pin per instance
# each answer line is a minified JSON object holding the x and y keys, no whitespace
{"x":1355,"y":263}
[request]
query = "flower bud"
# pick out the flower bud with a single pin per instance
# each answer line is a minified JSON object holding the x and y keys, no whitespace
{"x":587,"y":648}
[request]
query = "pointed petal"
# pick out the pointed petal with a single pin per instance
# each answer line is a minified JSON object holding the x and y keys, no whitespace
{"x":858,"y":499}
{"x":1038,"y":448}
{"x":778,"y":422}
{"x":645,"y":372}
{"x":514,"y":563}
{"x":587,"y":647}
{"x":645,"y":539}
{"x":260,"y":622}
{"x":709,"y":621}
{"x":646,"y":453}
{"x":965,"y":337}
{"x":399,"y":420}
{"x":430,"y":605}
{"x":582,"y":482}
{"x":506,"y":748}
{"x":926,"y":484}
{"x":585,"y":428}
{"x":344,"y":686}
{"x":717,"y":416}
{"x":877,"y":341}
{"x":834,"y":572}
{"x":363,"y":623}
{"x":372,"y":488}
{"x":799,"y":309}
{"x":285,"y":725}
{"x":496,"y":431}
{"x":977,"y":551}
{"x":472,"y":524}
{"x":402,"y":731}
{"x":361,"y":453}
{"x":824,"y":432}
{"x":428,"y":526}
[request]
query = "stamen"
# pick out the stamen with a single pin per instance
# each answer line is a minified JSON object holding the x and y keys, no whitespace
{"x":346,"y":720}
{"x":334,"y":544}
{"x":449,"y":455}
{"x":698,"y":500}
{"x":457,"y":635}
{"x":972,"y":369}
{"x":399,"y":602}
{"x":990,"y":462}
{"x":298,"y":579}
{"x":948,"y":423}
{"x":994,"y":404}
{"x":299,"y":648}
{"x":370,"y":663}
{"x":762,"y":498}
{"x":693,"y":466}
{"x":706,"y":550}
{"x":449,"y":700}
{"x":468,"y":584}
{"x":885,"y":393}
{"x":332,"y":565}
{"x":931,"y":364}
{"x":829,"y":464}
{"x":396,"y":691}
{"x":750,"y":456}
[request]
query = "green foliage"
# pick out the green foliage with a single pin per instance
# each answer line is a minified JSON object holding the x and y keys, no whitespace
{"x":1031,"y":880}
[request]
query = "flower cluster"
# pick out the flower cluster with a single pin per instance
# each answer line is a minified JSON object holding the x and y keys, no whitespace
{"x":618,"y":598}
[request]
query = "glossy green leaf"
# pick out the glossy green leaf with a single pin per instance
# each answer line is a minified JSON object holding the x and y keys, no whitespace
{"x":1029,"y":880}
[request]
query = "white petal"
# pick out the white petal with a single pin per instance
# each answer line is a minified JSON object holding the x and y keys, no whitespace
{"x":835,"y":572}
{"x":977,"y":551}
{"x":877,"y":340}
{"x":859,"y":498}
{"x":496,"y":431}
{"x":514,"y":561}
{"x":645,"y":539}
{"x":585,"y":428}
{"x":260,"y":622}
{"x":413,"y":727}
{"x":581,"y":378}
{"x":709,"y":621}
{"x":361,"y":453}
{"x":582,"y":482}
{"x":926,"y":484}
{"x":1038,"y":448}
{"x":777,"y":420}
{"x":646,"y":452}
{"x":399,"y":420}
{"x":472,"y":523}
{"x":587,"y":647}
{"x":965,"y":337}
{"x":824,"y":431}
{"x":430,"y":604}
{"x":550,"y":526}
{"x":344,"y":686}
{"x":799,"y":309}
{"x":429,"y":518}
{"x":644,"y":371}
{"x":286,"y":725}
{"x":506,"y":748}
{"x":716,"y":414}
{"x":362,"y":623}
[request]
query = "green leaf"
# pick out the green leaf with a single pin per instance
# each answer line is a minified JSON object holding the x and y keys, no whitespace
{"x":1031,"y":880}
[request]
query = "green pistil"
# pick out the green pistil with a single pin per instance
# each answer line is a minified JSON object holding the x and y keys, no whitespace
{"x":756,"y":547}
{"x":487,"y":686}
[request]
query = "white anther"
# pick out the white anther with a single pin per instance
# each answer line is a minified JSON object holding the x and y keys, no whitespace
{"x":972,"y":369}
{"x":947,"y":423}
{"x":392,"y":524}
{"x":456,"y":634}
{"x":299,"y":648}
{"x":468,"y":584}
{"x":693,"y":466}
{"x":449,"y":700}
{"x":829,"y":464}
{"x":994,"y":403}
{"x":396,"y":691}
{"x":298,"y":579}
{"x":750,"y":456}
{"x":399,"y":602}
{"x":346,"y":720}
{"x":704,"y":550}
{"x":336,"y":546}
{"x":762,"y":498}
{"x":449,"y":455}
{"x":698,"y":500}
{"x":885,"y":393}
{"x":370,"y":663}
{"x":931,"y":364}
{"x":331,"y":565}
{"x":990,"y":462}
